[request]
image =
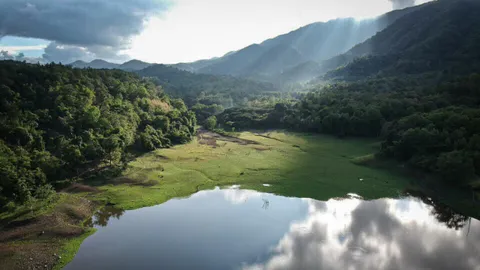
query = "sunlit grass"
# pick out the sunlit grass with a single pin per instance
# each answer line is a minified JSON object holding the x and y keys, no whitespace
{"x":312,"y":166}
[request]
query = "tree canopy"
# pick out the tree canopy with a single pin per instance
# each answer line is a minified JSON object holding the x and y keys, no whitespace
{"x":58,"y":123}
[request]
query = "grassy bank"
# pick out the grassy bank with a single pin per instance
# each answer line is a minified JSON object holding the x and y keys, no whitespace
{"x":299,"y":165}
{"x":312,"y":166}
{"x":44,"y":234}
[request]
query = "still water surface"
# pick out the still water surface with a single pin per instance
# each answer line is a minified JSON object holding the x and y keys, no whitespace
{"x":243,"y":229}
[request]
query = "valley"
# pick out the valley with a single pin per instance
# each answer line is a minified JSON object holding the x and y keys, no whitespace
{"x":320,"y":148}
{"x":313,"y":166}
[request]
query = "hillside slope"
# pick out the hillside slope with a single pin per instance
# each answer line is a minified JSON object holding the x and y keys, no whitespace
{"x":441,"y":37}
{"x":58,"y":124}
{"x":227,"y":90}
{"x":312,"y":43}
{"x":131,"y":65}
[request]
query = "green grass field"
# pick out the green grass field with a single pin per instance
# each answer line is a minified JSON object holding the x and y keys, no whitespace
{"x":297,"y":165}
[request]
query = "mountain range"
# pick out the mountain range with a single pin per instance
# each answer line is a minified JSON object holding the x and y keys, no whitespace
{"x":293,"y":53}
{"x":442,"y":35}
{"x":131,"y":65}
{"x":296,"y":56}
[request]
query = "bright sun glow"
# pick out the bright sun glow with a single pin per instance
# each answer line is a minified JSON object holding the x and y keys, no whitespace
{"x":194,"y":30}
{"x":189,"y":30}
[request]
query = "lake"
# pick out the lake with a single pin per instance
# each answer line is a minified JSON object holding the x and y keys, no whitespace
{"x":243,"y":229}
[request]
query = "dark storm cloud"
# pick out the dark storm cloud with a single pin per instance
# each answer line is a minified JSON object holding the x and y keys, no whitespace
{"x":98,"y":28}
{"x":399,"y":4}
{"x":55,"y":52}
{"x":77,"y":22}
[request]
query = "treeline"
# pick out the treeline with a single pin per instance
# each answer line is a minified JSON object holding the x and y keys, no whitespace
{"x":208,"y":95}
{"x":226,"y":91}
{"x":59,"y":123}
{"x":434,"y":127}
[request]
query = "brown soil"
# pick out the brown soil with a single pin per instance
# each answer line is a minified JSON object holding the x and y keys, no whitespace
{"x":149,"y":183}
{"x":161,"y":157}
{"x":78,"y":188}
{"x":32,"y":243}
{"x":123,"y":180}
{"x":211,"y":138}
{"x":29,"y":255}
{"x":259,"y":148}
{"x":133,"y":182}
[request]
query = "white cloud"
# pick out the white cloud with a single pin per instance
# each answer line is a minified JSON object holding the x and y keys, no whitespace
{"x":18,"y":49}
{"x":155,"y":31}
{"x":239,"y":196}
{"x":381,"y":234}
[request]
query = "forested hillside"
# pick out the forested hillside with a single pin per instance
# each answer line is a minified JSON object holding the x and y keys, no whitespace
{"x":279,"y":59}
{"x":443,"y":36}
{"x":131,"y":65}
{"x":205,"y":89}
{"x":431,"y":127}
{"x":58,"y":124}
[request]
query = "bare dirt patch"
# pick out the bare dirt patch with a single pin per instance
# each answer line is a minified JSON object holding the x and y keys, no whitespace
{"x":33,"y":243}
{"x":261,"y":148}
{"x":63,"y":221}
{"x":149,"y":183}
{"x":28,"y":255}
{"x":206,"y":138}
{"x":133,"y":182}
{"x":161,"y":157}
{"x":211,"y":138}
{"x":124,"y":180}
{"x":79,"y":188}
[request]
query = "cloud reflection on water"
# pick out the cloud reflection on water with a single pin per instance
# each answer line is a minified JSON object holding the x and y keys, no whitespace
{"x":380,"y":234}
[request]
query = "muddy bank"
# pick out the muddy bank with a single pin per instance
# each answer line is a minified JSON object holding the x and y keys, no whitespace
{"x":38,"y":242}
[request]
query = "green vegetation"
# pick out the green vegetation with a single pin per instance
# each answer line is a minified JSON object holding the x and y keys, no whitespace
{"x":207,"y":89}
{"x":298,"y":165}
{"x":410,"y":96}
{"x":430,"y":127}
{"x":70,"y":248}
{"x":294,"y":164}
{"x":44,"y":233}
{"x":211,"y":123}
{"x":58,"y":124}
{"x":440,"y":37}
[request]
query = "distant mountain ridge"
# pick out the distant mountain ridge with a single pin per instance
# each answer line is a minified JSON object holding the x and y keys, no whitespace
{"x":285,"y":54}
{"x":132,"y":65}
{"x":189,"y":85}
{"x":442,"y":35}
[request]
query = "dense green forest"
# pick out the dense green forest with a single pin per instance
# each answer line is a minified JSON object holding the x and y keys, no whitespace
{"x":58,"y":124}
{"x":207,"y":89}
{"x":443,"y":36}
{"x":430,"y":126}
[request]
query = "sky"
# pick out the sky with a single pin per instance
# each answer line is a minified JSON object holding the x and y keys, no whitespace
{"x":160,"y":31}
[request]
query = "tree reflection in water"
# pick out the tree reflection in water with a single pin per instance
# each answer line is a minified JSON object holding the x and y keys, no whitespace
{"x":442,"y":212}
{"x":102,"y":216}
